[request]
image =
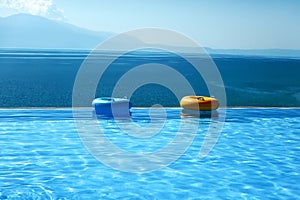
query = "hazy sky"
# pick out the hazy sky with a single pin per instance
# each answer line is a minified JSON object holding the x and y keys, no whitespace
{"x":212,"y":23}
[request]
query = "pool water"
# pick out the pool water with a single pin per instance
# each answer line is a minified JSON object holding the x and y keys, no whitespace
{"x":255,"y":157}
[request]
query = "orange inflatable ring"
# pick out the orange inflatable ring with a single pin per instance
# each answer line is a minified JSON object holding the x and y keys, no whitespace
{"x":199,"y":103}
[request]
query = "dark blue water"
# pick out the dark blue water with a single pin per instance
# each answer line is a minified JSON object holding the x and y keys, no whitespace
{"x":30,"y":78}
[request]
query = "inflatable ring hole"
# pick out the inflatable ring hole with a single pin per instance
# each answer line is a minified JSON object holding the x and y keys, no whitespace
{"x":201,"y":98}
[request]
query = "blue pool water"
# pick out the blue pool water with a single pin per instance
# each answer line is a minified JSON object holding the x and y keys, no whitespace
{"x":256,"y":157}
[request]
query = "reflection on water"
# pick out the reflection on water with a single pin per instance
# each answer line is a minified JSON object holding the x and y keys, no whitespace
{"x":42,"y":156}
{"x":185,"y":113}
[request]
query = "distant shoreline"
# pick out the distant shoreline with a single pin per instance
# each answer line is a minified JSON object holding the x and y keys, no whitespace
{"x":266,"y":53}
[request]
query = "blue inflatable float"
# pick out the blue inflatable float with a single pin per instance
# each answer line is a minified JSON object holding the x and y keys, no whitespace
{"x":112,"y":107}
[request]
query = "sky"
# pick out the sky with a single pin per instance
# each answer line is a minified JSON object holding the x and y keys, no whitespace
{"x":222,"y":24}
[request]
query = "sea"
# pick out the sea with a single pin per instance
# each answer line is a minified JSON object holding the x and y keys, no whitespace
{"x":45,"y":78}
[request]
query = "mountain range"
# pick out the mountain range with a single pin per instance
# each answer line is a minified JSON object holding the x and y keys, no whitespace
{"x":36,"y":32}
{"x":31,"y":31}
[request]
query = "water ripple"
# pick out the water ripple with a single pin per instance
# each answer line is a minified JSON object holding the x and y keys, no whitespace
{"x":256,"y":157}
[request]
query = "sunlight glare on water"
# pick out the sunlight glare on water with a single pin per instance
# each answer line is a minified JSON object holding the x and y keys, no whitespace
{"x":256,"y":157}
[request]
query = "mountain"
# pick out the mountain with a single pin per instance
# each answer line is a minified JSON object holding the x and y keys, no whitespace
{"x":256,"y":52}
{"x":30,"y":31}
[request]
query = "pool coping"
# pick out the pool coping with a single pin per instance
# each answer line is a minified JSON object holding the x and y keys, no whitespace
{"x":71,"y":108}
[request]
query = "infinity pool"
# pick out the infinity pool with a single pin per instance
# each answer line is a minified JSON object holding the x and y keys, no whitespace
{"x":256,"y":156}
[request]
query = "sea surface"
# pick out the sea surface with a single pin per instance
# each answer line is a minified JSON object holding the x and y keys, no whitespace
{"x":45,"y":78}
{"x":256,"y":157}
